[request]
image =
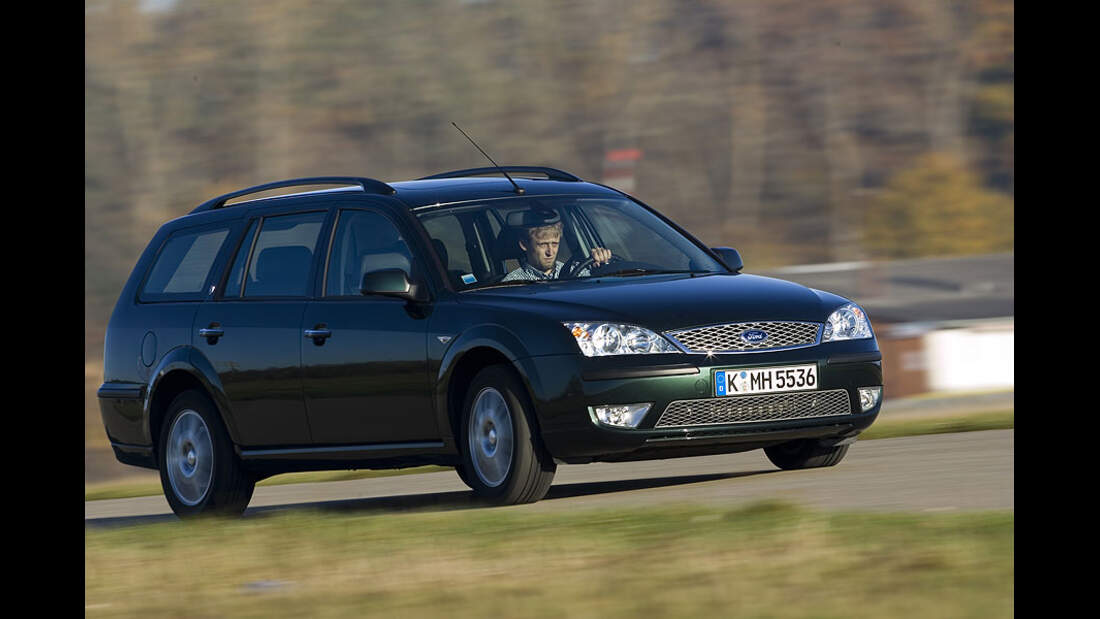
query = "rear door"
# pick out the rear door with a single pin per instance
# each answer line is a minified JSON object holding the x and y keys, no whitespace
{"x":252,"y":331}
{"x":366,"y":373}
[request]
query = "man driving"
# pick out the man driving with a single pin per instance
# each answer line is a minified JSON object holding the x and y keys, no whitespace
{"x":539,"y":241}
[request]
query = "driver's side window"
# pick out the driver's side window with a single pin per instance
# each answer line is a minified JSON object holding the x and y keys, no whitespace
{"x":365,"y":241}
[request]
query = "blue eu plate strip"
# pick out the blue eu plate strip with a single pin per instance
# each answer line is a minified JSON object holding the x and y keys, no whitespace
{"x":720,"y":382}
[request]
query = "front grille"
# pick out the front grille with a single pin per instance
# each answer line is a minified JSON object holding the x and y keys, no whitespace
{"x":754,"y":408}
{"x":727,"y":338}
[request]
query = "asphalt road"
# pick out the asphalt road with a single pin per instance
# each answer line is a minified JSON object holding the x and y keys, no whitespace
{"x":943,"y":472}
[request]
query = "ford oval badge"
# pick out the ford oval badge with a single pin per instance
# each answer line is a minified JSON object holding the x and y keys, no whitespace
{"x":754,"y":336}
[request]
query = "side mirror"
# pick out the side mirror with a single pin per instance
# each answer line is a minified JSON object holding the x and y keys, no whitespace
{"x":391,"y":283}
{"x":731,"y":257}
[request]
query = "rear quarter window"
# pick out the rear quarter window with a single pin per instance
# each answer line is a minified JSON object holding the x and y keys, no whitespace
{"x":181,"y":270}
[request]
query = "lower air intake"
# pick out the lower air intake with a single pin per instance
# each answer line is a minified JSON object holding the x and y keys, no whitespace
{"x":755,"y":408}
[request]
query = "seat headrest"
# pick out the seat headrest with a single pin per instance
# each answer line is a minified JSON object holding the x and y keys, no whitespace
{"x":506,"y":247}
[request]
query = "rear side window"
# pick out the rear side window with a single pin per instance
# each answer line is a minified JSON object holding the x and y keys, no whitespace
{"x":182,"y":268}
{"x":283,"y":255}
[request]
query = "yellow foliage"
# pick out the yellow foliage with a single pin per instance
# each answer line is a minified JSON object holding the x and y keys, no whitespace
{"x":937,"y":207}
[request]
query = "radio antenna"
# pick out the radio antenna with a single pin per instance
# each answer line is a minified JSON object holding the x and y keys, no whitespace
{"x":519,"y":189}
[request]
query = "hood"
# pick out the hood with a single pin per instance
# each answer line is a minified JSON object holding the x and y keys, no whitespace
{"x":663,"y":302}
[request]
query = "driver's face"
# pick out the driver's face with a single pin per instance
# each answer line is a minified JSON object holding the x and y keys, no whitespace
{"x":542,"y":248}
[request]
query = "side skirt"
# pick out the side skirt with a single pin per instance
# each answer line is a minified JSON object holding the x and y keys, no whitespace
{"x":272,"y":461}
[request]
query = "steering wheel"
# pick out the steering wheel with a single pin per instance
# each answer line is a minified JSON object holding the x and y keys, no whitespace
{"x":575,"y":265}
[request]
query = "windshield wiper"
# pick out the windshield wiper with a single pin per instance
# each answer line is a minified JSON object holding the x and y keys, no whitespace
{"x":513,"y":282}
{"x":622,"y":273}
{"x":644,"y":271}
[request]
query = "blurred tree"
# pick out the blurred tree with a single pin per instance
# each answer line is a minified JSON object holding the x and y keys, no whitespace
{"x":747,"y":102}
{"x":938,"y":207}
{"x":765,"y":124}
{"x":990,"y":53}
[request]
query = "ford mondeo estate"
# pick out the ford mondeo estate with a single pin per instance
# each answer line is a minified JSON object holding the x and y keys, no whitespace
{"x":497,"y":320}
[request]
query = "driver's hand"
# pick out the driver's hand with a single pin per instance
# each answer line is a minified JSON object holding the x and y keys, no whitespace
{"x":601,"y":255}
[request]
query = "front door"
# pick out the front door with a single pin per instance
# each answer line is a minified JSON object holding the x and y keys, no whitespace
{"x":365,"y":373}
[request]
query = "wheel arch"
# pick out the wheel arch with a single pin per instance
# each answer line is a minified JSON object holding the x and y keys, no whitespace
{"x":472,"y":362}
{"x":180,"y":370}
{"x":473,"y":351}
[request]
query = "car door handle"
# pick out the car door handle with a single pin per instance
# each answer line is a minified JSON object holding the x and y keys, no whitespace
{"x":212,"y":332}
{"x":318,"y":333}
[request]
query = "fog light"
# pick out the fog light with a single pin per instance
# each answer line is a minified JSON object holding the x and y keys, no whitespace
{"x":869,"y":397}
{"x":621,"y":415}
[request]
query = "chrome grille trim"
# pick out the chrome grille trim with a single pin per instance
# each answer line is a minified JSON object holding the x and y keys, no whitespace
{"x":726,"y":338}
{"x":755,"y":408}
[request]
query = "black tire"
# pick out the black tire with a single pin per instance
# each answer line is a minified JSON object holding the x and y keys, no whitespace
{"x":525,"y":477}
{"x":804,"y":454}
{"x":200,"y":472}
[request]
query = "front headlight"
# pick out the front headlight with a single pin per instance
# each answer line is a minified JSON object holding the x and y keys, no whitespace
{"x":598,"y":339}
{"x":848,"y":322}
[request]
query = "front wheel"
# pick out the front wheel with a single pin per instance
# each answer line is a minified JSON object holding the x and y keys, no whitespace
{"x":804,"y":454}
{"x":503,"y":459}
{"x":199,"y":471}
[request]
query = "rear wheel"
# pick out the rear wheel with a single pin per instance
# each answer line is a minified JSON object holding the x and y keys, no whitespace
{"x":503,"y":459}
{"x":199,"y":471}
{"x":804,"y":454}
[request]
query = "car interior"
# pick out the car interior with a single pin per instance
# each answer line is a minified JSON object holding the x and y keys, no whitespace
{"x":489,"y":244}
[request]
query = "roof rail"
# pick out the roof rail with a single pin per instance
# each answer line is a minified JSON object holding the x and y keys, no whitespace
{"x":369,"y":185}
{"x":551,"y":173}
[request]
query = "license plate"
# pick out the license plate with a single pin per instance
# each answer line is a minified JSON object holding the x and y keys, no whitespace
{"x":765,"y":380}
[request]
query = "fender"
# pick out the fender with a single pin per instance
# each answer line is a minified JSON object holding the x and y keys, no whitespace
{"x":495,"y":337}
{"x":191,"y":360}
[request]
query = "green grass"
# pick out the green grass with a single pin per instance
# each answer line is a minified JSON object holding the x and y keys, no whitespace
{"x":764,"y":560}
{"x":882,"y":428}
{"x":889,"y":428}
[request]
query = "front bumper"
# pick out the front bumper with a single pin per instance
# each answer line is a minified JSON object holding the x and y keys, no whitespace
{"x":564,"y":387}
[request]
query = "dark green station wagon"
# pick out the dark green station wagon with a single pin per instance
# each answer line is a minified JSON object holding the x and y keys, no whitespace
{"x":497,"y":320}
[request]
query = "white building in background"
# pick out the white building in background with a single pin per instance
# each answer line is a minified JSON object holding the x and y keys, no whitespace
{"x":969,"y":358}
{"x":944,"y":324}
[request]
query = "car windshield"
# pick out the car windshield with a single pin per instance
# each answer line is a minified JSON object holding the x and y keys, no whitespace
{"x":533,"y":240}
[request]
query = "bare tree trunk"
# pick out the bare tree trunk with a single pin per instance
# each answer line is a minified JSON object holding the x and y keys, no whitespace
{"x":748,"y":126}
{"x":140,"y":132}
{"x":838,"y":50}
{"x":945,"y":112}
{"x":274,"y":130}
